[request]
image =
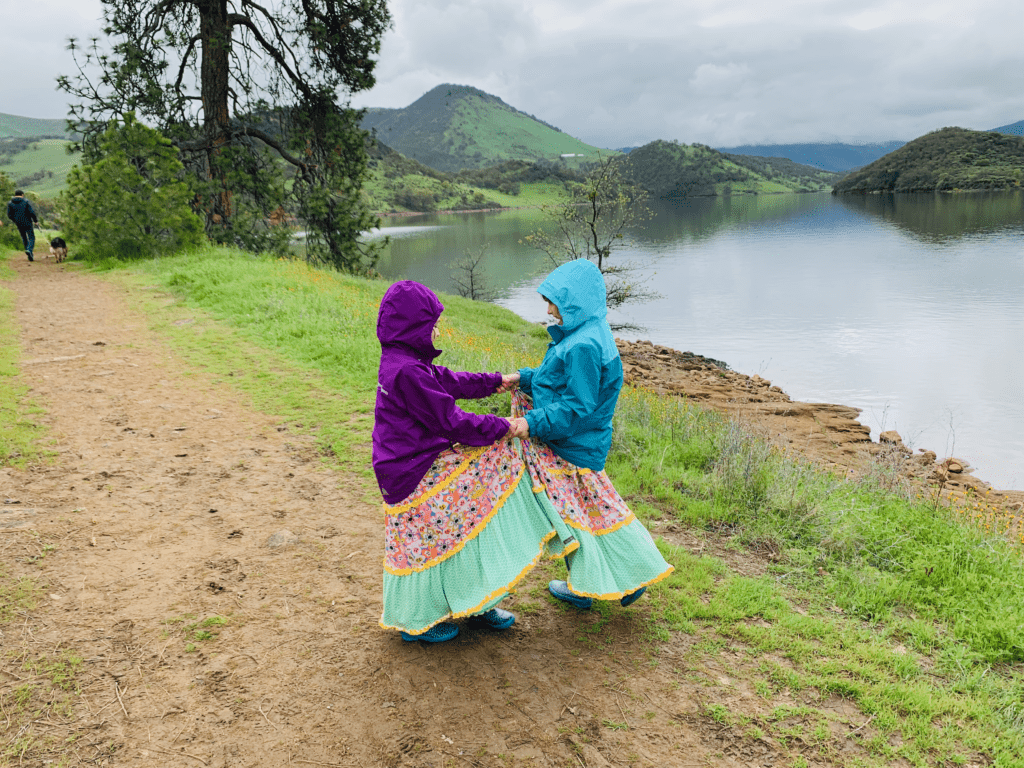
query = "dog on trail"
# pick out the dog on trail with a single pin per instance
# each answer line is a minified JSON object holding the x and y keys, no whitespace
{"x":58,"y":249}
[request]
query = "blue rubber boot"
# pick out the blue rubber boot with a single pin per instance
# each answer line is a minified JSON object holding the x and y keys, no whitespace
{"x":496,"y":618}
{"x":561,"y":590}
{"x":632,"y":597}
{"x":438,"y":633}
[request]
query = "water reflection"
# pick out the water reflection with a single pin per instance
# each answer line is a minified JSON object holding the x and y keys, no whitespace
{"x":942,"y":218}
{"x":699,"y":218}
{"x":909,"y":307}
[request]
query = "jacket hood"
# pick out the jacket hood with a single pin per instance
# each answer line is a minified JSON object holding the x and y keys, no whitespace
{"x":18,"y":201}
{"x":577,"y":288}
{"x":407,"y":316}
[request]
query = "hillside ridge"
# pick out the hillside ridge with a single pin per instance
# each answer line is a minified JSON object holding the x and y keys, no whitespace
{"x":16,"y":126}
{"x":455,"y":127}
{"x":946,"y":160}
{"x":667,"y":169}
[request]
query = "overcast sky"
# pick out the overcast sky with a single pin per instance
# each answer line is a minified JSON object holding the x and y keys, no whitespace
{"x":624,"y":72}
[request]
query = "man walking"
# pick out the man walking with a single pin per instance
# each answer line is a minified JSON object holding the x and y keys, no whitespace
{"x":20,"y":211}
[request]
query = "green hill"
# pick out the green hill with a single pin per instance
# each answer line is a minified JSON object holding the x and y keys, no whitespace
{"x":37,"y":165}
{"x":399,"y":183}
{"x":944,"y":161}
{"x":453,"y":127}
{"x":667,"y":169}
{"x":31,"y":127}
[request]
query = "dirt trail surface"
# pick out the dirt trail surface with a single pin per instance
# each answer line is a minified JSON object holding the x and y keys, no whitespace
{"x":203,"y":645}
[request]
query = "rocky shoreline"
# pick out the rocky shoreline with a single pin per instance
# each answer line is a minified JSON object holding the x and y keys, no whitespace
{"x":825,"y":433}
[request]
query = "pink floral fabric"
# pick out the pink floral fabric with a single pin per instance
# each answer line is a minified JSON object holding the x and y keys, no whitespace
{"x":460,"y":493}
{"x":585,"y":500}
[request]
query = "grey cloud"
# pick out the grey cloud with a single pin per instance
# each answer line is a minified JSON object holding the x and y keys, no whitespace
{"x":623,"y":72}
{"x":637,"y":71}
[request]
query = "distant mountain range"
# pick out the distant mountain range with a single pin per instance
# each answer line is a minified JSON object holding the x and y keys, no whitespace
{"x":837,"y":156}
{"x":454,"y":127}
{"x":1013,"y":129}
{"x":830,"y":157}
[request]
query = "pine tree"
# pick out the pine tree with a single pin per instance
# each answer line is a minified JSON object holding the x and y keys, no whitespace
{"x":239,"y":86}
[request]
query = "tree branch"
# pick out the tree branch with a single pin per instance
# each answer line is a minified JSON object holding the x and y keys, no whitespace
{"x":273,"y":143}
{"x":237,"y":19}
{"x":184,"y":62}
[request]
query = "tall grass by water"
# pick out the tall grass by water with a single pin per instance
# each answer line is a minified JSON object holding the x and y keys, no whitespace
{"x":868,"y":595}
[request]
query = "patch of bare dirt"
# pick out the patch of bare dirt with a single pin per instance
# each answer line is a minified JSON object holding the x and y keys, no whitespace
{"x":828,"y":434}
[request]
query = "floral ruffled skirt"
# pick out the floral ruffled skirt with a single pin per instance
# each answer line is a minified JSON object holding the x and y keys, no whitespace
{"x":470,"y":532}
{"x":482,"y":518}
{"x":615,"y":554}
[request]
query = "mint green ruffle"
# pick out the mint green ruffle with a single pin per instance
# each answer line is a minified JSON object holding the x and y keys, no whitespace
{"x":482,"y":573}
{"x":612,"y":565}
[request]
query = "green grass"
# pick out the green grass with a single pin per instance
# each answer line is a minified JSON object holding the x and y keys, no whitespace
{"x":46,"y":155}
{"x":532,"y":195}
{"x":18,"y":595}
{"x":20,"y":436}
{"x":48,"y":696}
{"x":873,"y":598}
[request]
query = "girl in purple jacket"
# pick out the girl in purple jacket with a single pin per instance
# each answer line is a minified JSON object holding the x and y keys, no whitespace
{"x":462,"y":523}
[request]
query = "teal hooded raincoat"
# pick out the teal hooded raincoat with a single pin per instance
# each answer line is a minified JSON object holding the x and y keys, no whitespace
{"x":576,"y":387}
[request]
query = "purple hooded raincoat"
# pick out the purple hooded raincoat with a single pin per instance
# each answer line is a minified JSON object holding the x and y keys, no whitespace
{"x":416,"y":417}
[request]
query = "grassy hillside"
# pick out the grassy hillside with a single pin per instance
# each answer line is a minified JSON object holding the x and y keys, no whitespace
{"x":667,"y":169}
{"x":30,"y":127}
{"x":871,"y":602}
{"x":835,"y":157}
{"x":39,"y":166}
{"x":454,"y":126}
{"x":944,"y":161}
{"x":398,"y":183}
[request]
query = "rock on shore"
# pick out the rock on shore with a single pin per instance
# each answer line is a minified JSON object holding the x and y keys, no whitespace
{"x":826,"y":433}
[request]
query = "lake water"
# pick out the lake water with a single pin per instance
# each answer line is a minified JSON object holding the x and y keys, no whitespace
{"x":908,"y":307}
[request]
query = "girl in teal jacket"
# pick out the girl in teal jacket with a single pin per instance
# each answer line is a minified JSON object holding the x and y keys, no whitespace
{"x":574,"y":393}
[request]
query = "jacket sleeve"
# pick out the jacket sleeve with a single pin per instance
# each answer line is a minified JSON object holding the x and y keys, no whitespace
{"x":32,"y":212}
{"x":467,"y":386}
{"x":427,"y":402}
{"x":526,"y":379}
{"x":579,"y":398}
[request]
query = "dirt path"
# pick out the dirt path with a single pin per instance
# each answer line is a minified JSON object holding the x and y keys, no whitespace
{"x":205,"y":647}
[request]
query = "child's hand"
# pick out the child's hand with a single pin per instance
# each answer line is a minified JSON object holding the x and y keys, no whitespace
{"x":520,"y":428}
{"x":508,"y":380}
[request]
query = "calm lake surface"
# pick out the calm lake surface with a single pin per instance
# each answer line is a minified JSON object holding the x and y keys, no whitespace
{"x":908,"y":307}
